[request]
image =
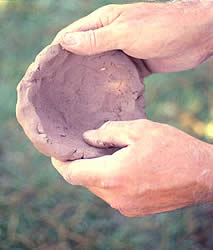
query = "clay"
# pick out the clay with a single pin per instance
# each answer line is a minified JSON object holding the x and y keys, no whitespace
{"x":63,"y":95}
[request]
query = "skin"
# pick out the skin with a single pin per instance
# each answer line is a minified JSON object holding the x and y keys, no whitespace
{"x":159,"y":167}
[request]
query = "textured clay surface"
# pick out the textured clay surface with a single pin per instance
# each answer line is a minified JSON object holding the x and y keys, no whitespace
{"x":62,"y":95}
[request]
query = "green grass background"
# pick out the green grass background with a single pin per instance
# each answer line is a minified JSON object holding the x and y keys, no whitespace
{"x":38,"y":209}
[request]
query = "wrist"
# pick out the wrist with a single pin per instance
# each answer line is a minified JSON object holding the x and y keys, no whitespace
{"x":198,"y":14}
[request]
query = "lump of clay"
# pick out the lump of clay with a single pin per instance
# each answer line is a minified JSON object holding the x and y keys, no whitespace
{"x":62,"y":95}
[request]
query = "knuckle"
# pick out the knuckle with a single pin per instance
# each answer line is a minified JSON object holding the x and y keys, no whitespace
{"x":58,"y":37}
{"x":108,"y":8}
{"x":92,"y":41}
{"x":61,"y":33}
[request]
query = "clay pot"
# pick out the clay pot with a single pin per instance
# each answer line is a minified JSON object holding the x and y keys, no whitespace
{"x":63,"y":95}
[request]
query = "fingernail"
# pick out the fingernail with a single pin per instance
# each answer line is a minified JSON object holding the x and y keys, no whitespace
{"x":70,"y":39}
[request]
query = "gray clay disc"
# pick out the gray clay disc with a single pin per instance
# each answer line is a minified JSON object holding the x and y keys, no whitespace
{"x":62,"y":95}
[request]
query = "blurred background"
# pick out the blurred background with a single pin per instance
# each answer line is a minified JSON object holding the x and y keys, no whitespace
{"x":38,"y":209}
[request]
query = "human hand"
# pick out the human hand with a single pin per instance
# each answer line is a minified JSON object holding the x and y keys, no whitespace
{"x":169,"y":37}
{"x":158,"y":169}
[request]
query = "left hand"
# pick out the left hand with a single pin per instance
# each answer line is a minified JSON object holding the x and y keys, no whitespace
{"x":159,"y":168}
{"x":168,"y":36}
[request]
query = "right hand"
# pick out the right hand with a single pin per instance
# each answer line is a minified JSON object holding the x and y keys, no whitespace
{"x":158,"y":169}
{"x":169,"y":37}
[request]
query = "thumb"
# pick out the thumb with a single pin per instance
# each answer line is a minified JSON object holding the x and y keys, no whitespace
{"x":90,"y":42}
{"x":97,"y":172}
{"x":114,"y":134}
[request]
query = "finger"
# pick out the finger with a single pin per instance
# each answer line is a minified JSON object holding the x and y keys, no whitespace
{"x":114,"y":134}
{"x":98,"y":19}
{"x":83,"y":24}
{"x":96,"y":172}
{"x":91,"y":42}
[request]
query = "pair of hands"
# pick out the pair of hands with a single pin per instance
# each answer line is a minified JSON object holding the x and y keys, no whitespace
{"x":159,"y":168}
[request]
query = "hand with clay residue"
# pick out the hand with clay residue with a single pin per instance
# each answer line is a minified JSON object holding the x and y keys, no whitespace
{"x":169,"y":37}
{"x":158,"y":169}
